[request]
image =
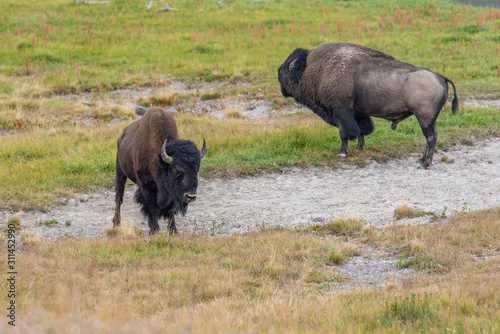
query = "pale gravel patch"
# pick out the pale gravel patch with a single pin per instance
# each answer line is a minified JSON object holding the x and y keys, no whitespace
{"x":295,"y":198}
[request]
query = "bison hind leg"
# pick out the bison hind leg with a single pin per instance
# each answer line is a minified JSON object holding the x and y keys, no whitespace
{"x":365,"y":128}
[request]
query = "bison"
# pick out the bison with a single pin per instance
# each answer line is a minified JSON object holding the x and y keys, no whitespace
{"x":164,"y":167}
{"x":346,"y":84}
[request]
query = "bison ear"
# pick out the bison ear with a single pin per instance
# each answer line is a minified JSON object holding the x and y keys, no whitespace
{"x":203,"y":149}
{"x":164,"y":156}
{"x":297,"y":67}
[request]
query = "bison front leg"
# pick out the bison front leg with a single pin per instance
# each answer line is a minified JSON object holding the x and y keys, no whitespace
{"x":348,"y":130}
{"x":154,"y":227}
{"x":344,"y":148}
{"x":171,"y":224}
{"x":121,"y":179}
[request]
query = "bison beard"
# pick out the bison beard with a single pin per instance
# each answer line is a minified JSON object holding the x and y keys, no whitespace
{"x":347,"y":84}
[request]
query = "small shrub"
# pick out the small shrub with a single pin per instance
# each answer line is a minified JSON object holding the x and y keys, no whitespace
{"x":210,"y":95}
{"x":158,"y":100}
{"x":233,"y":113}
{"x":339,"y":226}
{"x":447,"y":160}
{"x":14,"y":222}
{"x":406,"y":211}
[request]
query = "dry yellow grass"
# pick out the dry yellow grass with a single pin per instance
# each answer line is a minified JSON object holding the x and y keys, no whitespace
{"x":233,"y":113}
{"x":406,"y":211}
{"x":273,"y":281}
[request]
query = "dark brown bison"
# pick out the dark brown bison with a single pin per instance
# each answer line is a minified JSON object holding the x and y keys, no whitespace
{"x":345,"y":84}
{"x":164,"y":168}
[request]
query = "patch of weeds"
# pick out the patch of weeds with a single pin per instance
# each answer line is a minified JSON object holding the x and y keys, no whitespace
{"x":68,"y":223}
{"x":210,"y":95}
{"x":324,"y":277}
{"x":47,"y":222}
{"x":421,"y":264}
{"x":158,"y":100}
{"x":14,"y":223}
{"x":406,"y":211}
{"x":13,"y":226}
{"x":314,"y":276}
{"x":214,"y":227}
{"x":233,"y":113}
{"x":467,"y":142}
{"x":410,"y":309}
{"x":472,"y":29}
{"x":339,"y":226}
{"x":447,"y":160}
{"x":340,"y":255}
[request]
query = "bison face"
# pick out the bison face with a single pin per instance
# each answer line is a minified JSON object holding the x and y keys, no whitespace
{"x":290,"y":72}
{"x":179,"y":162}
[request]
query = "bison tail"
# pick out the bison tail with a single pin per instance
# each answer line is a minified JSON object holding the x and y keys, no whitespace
{"x":454,"y":103}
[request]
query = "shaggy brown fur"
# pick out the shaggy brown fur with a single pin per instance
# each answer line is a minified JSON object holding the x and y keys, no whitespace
{"x":164,"y":188}
{"x":346,"y":84}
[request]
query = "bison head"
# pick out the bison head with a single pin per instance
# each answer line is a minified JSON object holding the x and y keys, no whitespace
{"x":179,"y":162}
{"x":290,"y":72}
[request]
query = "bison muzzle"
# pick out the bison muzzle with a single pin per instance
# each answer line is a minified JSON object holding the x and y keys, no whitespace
{"x":346,"y":84}
{"x":164,"y":167}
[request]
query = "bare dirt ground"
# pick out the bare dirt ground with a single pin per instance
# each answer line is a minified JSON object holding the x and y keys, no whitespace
{"x":299,"y":197}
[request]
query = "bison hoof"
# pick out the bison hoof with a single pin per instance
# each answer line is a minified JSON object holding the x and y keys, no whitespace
{"x":425,"y":164}
{"x":341,"y":155}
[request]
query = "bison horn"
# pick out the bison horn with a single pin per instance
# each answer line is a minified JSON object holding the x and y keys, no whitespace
{"x":292,"y":64}
{"x":164,"y":156}
{"x":203,"y":149}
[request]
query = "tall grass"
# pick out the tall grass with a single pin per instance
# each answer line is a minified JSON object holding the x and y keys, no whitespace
{"x":62,"y":47}
{"x":272,"y":281}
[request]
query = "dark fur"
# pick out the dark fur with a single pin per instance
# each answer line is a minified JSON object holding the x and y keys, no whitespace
{"x":162,"y":187}
{"x":347,"y":84}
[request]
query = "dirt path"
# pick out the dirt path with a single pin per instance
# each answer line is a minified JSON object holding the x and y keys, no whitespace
{"x":301,"y":196}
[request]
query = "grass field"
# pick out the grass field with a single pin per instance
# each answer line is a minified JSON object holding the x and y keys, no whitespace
{"x":59,"y":46}
{"x":272,"y":281}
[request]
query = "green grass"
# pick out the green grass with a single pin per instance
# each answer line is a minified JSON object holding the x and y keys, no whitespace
{"x":58,"y":46}
{"x":55,"y":161}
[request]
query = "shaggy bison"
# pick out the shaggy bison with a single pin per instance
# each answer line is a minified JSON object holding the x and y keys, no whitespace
{"x":345,"y":84}
{"x":164,"y":168}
